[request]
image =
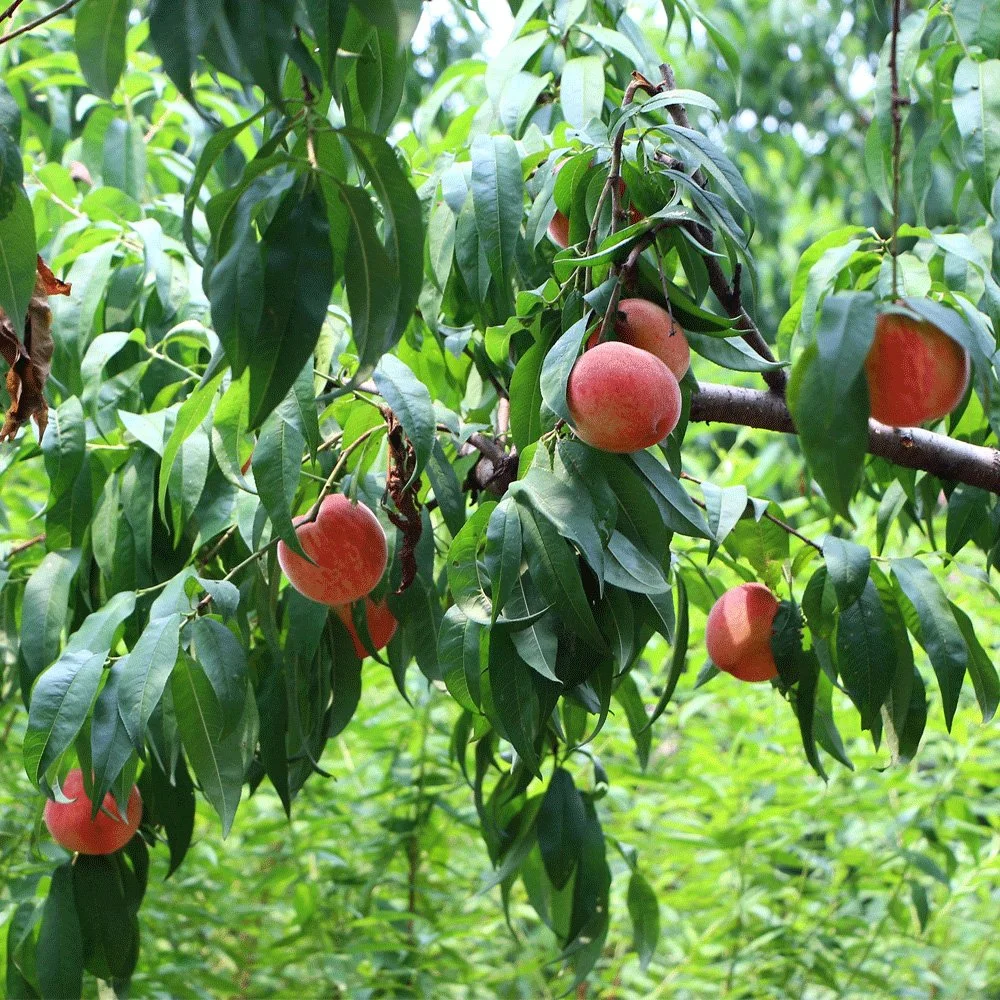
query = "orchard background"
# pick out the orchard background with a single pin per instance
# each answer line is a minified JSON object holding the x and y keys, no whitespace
{"x":302,"y":248}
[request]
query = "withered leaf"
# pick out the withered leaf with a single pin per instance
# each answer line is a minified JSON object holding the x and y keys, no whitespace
{"x":30,"y":361}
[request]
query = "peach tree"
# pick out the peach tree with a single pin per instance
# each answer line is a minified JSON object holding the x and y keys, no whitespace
{"x":252,"y":273}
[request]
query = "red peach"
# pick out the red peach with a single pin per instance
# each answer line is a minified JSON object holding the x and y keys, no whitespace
{"x":646,"y":325}
{"x":382,"y":626}
{"x":916,"y":372}
{"x":347,"y":545}
{"x":71,"y":826}
{"x":738,"y":632}
{"x":621,"y":398}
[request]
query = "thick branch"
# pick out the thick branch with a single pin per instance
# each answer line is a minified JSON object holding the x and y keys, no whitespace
{"x":911,"y":447}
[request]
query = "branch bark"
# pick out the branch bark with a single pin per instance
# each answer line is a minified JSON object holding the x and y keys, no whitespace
{"x":910,"y":447}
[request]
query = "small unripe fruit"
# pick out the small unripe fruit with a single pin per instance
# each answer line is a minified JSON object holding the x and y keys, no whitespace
{"x":347,"y":545}
{"x":738,"y":632}
{"x":382,"y":625}
{"x":621,"y":398}
{"x":71,"y":826}
{"x":559,"y":226}
{"x":646,"y":325}
{"x":916,"y":372}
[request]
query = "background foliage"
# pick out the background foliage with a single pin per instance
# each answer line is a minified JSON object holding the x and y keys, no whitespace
{"x":732,"y":867}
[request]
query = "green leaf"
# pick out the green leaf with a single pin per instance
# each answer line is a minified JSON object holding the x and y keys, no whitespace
{"x":44,"y":609}
{"x":277,"y":469}
{"x":124,"y":159}
{"x":561,"y":827}
{"x":828,"y":397}
{"x":410,"y":401}
{"x":60,"y":942}
{"x":63,"y":446}
{"x":644,"y":910}
{"x":327,"y":18}
{"x":724,"y":507}
{"x":145,"y":673}
{"x":581,"y":90}
{"x":976,"y":103}
{"x":498,"y":197}
{"x":60,"y":704}
{"x":628,"y":696}
{"x":101,"y":29}
{"x":190,"y":417}
{"x":847,"y":565}
{"x":107,"y":893}
{"x":631,"y":569}
{"x":465,"y":574}
{"x":218,"y":765}
{"x":968,"y":518}
{"x":558,"y":365}
{"x":866,"y":653}
{"x":554,"y":569}
{"x":515,"y":698}
{"x":556,"y":500}
{"x":298,"y":282}
{"x":230,"y":425}
{"x":763,"y":544}
{"x":503,"y":551}
{"x":680,"y":512}
{"x":808,"y":670}
{"x":224,"y":659}
{"x":110,"y":744}
{"x":459,"y":653}
{"x":404,"y":227}
{"x":368,"y":272}
{"x":981,"y":669}
{"x":678,"y":654}
{"x":538,"y":646}
{"x":447,"y":489}
{"x":978,"y":23}
{"x":17,"y":254}
{"x":933,"y":625}
{"x":178,"y":30}
{"x":526,"y":397}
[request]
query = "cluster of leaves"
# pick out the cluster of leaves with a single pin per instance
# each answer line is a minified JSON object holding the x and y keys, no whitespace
{"x":240,"y":276}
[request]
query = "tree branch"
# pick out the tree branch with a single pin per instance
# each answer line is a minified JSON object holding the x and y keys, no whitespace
{"x":910,"y":447}
{"x":44,"y":19}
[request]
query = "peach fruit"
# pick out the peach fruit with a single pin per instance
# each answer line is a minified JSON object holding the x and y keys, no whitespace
{"x":738,"y":632}
{"x":347,"y":545}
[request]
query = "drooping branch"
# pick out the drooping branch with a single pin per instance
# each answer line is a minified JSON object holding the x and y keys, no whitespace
{"x":910,"y":447}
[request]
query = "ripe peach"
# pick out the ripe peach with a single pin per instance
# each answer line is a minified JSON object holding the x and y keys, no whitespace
{"x":382,"y":625}
{"x":646,"y":325}
{"x":71,"y":826}
{"x":738,"y":632}
{"x":916,"y":372}
{"x":622,"y":398}
{"x":347,"y":545}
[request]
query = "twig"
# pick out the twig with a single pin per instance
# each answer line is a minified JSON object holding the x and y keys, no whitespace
{"x":11,"y":10}
{"x":44,"y":19}
{"x":637,"y":83}
{"x":16,"y":550}
{"x":897,"y":143}
{"x":910,"y":447}
{"x":784,"y":525}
